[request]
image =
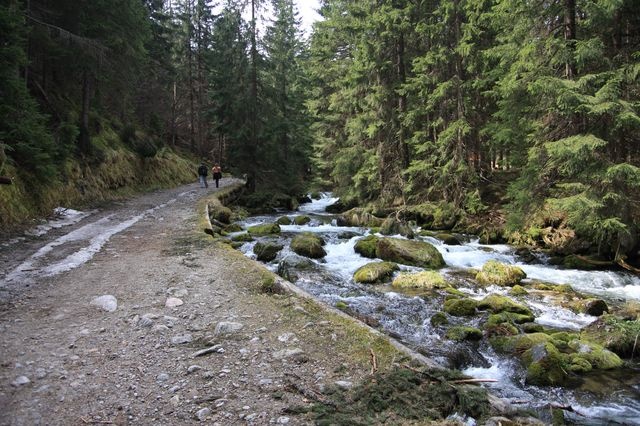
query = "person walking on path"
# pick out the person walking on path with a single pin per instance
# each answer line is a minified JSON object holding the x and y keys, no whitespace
{"x":202,"y":175}
{"x":217,"y":174}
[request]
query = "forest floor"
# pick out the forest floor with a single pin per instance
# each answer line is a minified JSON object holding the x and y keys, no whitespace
{"x":65,"y":360}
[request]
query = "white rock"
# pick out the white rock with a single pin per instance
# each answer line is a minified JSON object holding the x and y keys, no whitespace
{"x":344,"y":384}
{"x":288,"y":337}
{"x":227,"y":327}
{"x":173,"y":302}
{"x":162,"y":377}
{"x":177,"y":292}
{"x":20,"y":381}
{"x":41,"y":373}
{"x":283,"y":420}
{"x":203,"y":413}
{"x":107,"y":303}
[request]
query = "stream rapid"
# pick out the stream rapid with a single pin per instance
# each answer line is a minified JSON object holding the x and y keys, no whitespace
{"x":604,"y":398}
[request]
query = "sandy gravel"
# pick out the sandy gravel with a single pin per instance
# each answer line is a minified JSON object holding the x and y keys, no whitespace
{"x":65,"y":361}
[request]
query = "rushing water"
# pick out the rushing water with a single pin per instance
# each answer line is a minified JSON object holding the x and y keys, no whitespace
{"x":604,"y":398}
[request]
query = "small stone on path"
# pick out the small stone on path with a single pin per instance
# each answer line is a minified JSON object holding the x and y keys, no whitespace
{"x":173,"y":302}
{"x":107,"y":303}
{"x":227,"y":327}
{"x":203,"y":413}
{"x":288,"y":353}
{"x":20,"y":381}
{"x":182,"y":339}
{"x":162,"y":377}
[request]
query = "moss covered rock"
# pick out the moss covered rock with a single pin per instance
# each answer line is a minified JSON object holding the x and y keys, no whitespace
{"x":375,"y":272}
{"x":448,"y":239}
{"x":519,"y":343}
{"x":308,"y":244}
{"x":266,"y":251}
{"x":408,"y":252}
{"x":264,"y":229}
{"x":359,"y":217}
{"x":508,"y":317}
{"x":532,"y":327}
{"x":460,"y":333}
{"x":494,"y":272}
{"x":392,"y":226}
{"x":518,"y":290}
{"x":593,"y":307}
{"x":284,"y":220}
{"x":219,"y":213}
{"x":497,"y":303}
{"x":438,"y":319}
{"x":244,"y":237}
{"x":614,"y":333}
{"x":599,"y":357}
{"x":366,"y":246}
{"x":545,"y":366}
{"x":460,"y":307}
{"x":301,"y":220}
{"x":426,"y":280}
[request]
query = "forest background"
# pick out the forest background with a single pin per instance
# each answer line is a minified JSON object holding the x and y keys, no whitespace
{"x":516,"y":120}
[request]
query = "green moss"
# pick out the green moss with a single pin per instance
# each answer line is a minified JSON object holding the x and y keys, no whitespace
{"x":578,"y":364}
{"x":234,"y":227}
{"x":438,"y":319}
{"x":408,"y":252}
{"x":219,"y":213}
{"x":460,"y":307}
{"x":392,"y":226}
{"x":366,"y":246}
{"x":598,"y":357}
{"x":508,"y":317}
{"x":519,"y":343}
{"x":496,"y":303}
{"x":518,"y":290}
{"x":375,"y":272}
{"x":460,"y":333}
{"x":448,"y":239}
{"x":301,"y":220}
{"x":264,"y":229}
{"x":309,"y":245}
{"x":532,"y":327}
{"x":425,"y":280}
{"x":359,"y":217}
{"x":616,"y":334}
{"x":341,"y":305}
{"x":284,"y":220}
{"x":545,"y":366}
{"x":266,"y":251}
{"x":496,"y":273}
{"x":245,"y":237}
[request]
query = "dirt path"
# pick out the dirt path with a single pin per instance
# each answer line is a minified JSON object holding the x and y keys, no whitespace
{"x":66,"y":361}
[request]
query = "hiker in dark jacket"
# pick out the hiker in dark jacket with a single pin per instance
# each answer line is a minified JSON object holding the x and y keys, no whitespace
{"x":202,"y":175}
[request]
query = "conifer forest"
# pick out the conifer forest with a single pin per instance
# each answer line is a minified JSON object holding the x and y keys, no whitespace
{"x":517,"y":120}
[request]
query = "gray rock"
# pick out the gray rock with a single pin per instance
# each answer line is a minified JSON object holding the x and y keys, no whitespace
{"x":227,"y":327}
{"x":182,"y":339}
{"x":162,"y":377}
{"x":203,"y":413}
{"x":213,"y":349}
{"x":107,"y":303}
{"x":288,"y":337}
{"x":288,"y":353}
{"x":193,"y":369}
{"x":145,"y":322}
{"x":159,"y":328}
{"x":20,"y":381}
{"x":344,"y":384}
{"x":283,"y":420}
{"x":177,"y":292}
{"x":41,"y":373}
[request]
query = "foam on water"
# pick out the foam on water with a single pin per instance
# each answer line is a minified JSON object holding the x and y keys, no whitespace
{"x":319,"y":206}
{"x":558,"y":317}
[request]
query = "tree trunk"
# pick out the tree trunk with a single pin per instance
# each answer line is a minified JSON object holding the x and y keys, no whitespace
{"x":251,"y":178}
{"x":84,"y":142}
{"x":570,"y":36}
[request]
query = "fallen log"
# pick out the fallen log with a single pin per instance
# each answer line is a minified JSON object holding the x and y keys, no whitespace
{"x":625,"y":265}
{"x":6,"y":180}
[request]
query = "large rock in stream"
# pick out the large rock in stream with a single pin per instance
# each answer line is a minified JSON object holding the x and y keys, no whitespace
{"x":409,"y":252}
{"x":308,"y":244}
{"x":266,"y":251}
{"x":375,"y":272}
{"x":496,"y":273}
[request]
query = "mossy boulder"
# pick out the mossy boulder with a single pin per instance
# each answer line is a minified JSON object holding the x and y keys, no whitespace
{"x":393,"y":226}
{"x":448,"y":239}
{"x":427,"y":280}
{"x":234,"y":227}
{"x":599,"y":357}
{"x":264,"y":229}
{"x":409,"y":252}
{"x":497,"y":303}
{"x":545,"y":366}
{"x":580,"y":262}
{"x":284,"y":220}
{"x":438,"y":319}
{"x":347,"y":235}
{"x":375,"y":272}
{"x":219,"y":213}
{"x":614,"y":333}
{"x":359,"y":217}
{"x":460,"y":307}
{"x":244,"y":238}
{"x":461,"y":333}
{"x":308,"y":244}
{"x":366,"y":246}
{"x":266,"y":251}
{"x":291,"y":267}
{"x":518,"y":344}
{"x":532,"y":327}
{"x":494,"y":272}
{"x":518,"y":290}
{"x":508,"y":317}
{"x":301,"y":220}
{"x":593,"y":307}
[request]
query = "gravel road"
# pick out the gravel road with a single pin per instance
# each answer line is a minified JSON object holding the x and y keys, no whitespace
{"x":129,"y":315}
